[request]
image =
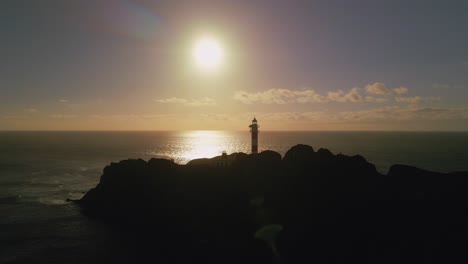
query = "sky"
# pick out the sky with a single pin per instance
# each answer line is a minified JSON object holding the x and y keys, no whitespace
{"x":294,"y":65}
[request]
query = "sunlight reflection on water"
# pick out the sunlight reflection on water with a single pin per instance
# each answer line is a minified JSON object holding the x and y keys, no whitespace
{"x":203,"y":144}
{"x":433,"y":151}
{"x":189,"y":145}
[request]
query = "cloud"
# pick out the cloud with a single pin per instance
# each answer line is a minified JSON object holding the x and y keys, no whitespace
{"x":285,"y":96}
{"x":376,"y":115}
{"x":295,"y":116}
{"x":383,"y":114}
{"x":400,"y":90}
{"x":340,"y":96}
{"x":134,"y":117}
{"x":308,"y":96}
{"x":416,"y":99}
{"x":67,"y":103}
{"x":409,"y":100}
{"x":119,"y":117}
{"x":353,"y":96}
{"x":372,"y":99}
{"x":172,"y":100}
{"x":442,"y":113}
{"x":201,"y":102}
{"x":31,"y":110}
{"x":217,"y":117}
{"x":205,"y":101}
{"x":62,"y":116}
{"x":381,"y":89}
{"x":279,"y":96}
{"x":377,"y":88}
{"x":156,"y":116}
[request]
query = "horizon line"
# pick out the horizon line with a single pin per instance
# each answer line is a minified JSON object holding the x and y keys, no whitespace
{"x":220,"y":130}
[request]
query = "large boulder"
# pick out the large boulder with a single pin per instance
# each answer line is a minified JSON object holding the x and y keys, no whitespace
{"x":299,"y":155}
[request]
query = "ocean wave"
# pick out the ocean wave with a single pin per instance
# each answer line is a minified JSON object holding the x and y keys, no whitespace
{"x":52,"y":201}
{"x":46,"y":181}
{"x":76,"y":195}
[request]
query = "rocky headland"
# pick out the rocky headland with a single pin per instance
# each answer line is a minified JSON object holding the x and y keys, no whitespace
{"x":308,"y":206}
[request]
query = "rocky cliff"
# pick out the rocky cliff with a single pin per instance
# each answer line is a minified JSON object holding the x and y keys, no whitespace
{"x":321,"y":208}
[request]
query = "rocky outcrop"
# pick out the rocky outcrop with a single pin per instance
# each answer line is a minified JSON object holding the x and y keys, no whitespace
{"x":299,"y":155}
{"x":328,"y":208}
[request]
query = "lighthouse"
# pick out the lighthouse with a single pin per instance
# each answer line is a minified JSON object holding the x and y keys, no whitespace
{"x":254,"y":132}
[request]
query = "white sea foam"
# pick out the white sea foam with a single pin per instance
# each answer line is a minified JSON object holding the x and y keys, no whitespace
{"x":52,"y":201}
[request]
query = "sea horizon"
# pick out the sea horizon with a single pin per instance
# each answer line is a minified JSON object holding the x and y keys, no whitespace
{"x":241,"y":130}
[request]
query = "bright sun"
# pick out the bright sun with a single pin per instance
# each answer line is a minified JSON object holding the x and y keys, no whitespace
{"x":208,"y":54}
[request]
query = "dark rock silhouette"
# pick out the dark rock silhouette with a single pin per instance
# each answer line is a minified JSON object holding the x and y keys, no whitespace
{"x":331,"y":209}
{"x":299,"y":154}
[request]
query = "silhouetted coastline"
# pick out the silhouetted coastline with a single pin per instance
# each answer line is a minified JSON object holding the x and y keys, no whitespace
{"x":331,"y":209}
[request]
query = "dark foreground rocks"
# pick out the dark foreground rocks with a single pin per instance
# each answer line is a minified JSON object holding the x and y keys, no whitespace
{"x":307,"y":207}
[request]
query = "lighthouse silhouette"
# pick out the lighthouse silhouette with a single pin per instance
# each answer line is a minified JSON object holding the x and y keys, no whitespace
{"x":254,"y":132}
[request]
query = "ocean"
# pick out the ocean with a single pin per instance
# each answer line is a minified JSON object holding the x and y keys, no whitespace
{"x":39,"y":171}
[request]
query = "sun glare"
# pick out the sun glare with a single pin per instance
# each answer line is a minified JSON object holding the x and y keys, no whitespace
{"x":208,"y":54}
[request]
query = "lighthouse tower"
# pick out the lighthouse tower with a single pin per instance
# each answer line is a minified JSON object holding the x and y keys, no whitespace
{"x":254,"y":132}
